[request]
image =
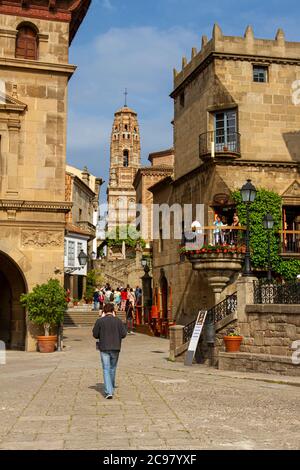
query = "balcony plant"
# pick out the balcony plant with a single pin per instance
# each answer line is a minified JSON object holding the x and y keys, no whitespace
{"x":213,"y":249}
{"x":232,"y":340}
{"x":75,"y":302}
{"x":46,"y":305}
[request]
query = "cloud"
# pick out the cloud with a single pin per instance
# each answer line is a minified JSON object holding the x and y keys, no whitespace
{"x":139,"y":58}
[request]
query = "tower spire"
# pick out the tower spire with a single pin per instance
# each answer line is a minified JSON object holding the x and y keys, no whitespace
{"x":125,"y":93}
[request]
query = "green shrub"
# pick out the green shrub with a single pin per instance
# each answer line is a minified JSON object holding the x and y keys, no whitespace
{"x":46,"y":304}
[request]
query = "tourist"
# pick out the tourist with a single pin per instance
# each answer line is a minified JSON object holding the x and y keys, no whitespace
{"x":96,"y":299}
{"x":101,"y":299}
{"x":117,"y":299}
{"x":218,"y":233}
{"x":109,"y":331}
{"x":129,"y":316}
{"x":107,"y":295}
{"x":233,"y":232}
{"x":123,"y":299}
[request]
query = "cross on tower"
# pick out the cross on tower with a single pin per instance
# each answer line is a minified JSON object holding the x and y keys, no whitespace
{"x":125,"y":96}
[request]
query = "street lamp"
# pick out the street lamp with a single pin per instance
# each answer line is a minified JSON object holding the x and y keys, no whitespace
{"x":268,"y":222}
{"x":82,"y":258}
{"x":248,"y":193}
{"x":146,"y":289}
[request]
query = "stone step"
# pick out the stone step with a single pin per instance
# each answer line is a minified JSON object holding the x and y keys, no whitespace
{"x":144,"y":329}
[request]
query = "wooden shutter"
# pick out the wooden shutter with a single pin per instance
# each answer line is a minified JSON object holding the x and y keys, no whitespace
{"x":26,"y":45}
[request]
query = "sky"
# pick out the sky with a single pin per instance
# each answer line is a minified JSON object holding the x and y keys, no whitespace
{"x":135,"y":44}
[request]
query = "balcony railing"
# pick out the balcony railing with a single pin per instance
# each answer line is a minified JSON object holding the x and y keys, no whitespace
{"x":290,"y":242}
{"x":212,"y":143}
{"x":225,"y":235}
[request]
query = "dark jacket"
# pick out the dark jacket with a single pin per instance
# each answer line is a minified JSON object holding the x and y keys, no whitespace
{"x":110,"y":331}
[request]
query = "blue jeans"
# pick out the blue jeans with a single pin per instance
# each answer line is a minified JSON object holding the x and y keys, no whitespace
{"x":109,"y":361}
{"x":96,"y":305}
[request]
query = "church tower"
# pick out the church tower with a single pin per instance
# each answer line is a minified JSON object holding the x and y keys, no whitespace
{"x":125,"y":160}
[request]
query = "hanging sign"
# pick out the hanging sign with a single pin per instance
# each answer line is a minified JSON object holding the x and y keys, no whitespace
{"x":195,"y":338}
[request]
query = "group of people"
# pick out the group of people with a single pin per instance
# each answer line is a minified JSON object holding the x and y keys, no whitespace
{"x":123,"y":299}
{"x":109,"y":330}
{"x":223,"y":236}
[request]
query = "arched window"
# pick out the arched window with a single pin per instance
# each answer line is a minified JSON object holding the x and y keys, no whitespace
{"x":125,"y":158}
{"x":27,"y":43}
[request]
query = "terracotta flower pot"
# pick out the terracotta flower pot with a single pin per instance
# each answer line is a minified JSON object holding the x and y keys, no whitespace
{"x":46,"y":343}
{"x":232,"y":343}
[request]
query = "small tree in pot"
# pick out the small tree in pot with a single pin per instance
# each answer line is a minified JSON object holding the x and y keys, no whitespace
{"x":46,"y":305}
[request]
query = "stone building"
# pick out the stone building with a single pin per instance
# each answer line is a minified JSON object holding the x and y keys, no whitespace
{"x":162,"y":165}
{"x":236,"y":117}
{"x":125,"y":157}
{"x":34,"y":44}
{"x":82,"y":190}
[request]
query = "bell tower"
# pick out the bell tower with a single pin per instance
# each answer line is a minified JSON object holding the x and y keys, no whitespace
{"x":125,"y":160}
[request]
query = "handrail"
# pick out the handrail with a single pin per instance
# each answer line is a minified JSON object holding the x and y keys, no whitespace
{"x":221,"y":310}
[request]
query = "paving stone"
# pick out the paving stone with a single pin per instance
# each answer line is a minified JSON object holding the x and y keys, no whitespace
{"x":158,"y":405}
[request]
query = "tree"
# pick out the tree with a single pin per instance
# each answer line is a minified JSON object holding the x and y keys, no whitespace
{"x":46,"y":304}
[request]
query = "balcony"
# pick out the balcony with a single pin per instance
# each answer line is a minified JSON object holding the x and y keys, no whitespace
{"x":290,"y":243}
{"x":215,"y":144}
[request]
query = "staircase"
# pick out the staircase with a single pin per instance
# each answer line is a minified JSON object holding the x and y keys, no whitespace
{"x":80,"y":317}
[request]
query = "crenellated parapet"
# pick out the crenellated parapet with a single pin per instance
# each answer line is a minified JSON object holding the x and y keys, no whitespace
{"x":237,"y":48}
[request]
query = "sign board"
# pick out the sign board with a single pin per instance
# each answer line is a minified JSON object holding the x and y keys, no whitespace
{"x":195,"y":338}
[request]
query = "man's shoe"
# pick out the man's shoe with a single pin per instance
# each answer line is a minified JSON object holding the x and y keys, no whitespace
{"x":108,"y":397}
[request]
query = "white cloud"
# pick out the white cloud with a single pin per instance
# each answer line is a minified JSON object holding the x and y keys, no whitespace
{"x":141,"y":59}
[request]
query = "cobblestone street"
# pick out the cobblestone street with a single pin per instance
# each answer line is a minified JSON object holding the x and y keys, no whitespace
{"x":54,"y":401}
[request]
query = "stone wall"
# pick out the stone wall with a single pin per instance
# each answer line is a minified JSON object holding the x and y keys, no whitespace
{"x":271,"y":329}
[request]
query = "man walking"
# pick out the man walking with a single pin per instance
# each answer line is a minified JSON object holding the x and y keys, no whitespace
{"x":109,"y":331}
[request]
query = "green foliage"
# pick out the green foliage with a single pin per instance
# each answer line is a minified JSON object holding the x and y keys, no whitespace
{"x":266,"y":201}
{"x":127,"y":234}
{"x":94,"y":279}
{"x":46,"y":304}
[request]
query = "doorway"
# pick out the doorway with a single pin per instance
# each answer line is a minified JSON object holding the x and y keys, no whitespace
{"x":12,"y":314}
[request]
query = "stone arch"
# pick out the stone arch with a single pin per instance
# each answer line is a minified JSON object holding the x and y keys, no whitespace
{"x":12,"y":314}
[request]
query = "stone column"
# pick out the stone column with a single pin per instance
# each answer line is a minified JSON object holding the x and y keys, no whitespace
{"x":176,"y":339}
{"x":12,"y":161}
{"x":245,"y":292}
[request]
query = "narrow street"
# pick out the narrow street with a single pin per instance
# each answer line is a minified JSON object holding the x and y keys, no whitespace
{"x":54,"y":401}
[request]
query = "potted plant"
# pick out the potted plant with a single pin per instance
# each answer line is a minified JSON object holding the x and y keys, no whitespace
{"x":75,"y":302}
{"x":46,"y":305}
{"x":232,"y":341}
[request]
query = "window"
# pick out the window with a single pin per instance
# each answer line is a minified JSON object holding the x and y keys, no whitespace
{"x":79,"y":247}
{"x":79,"y":214}
{"x":260,"y":74}
{"x":126,"y":127}
{"x":27,"y":43}
{"x":226,"y":137}
{"x":71,"y":253}
{"x":125,"y":158}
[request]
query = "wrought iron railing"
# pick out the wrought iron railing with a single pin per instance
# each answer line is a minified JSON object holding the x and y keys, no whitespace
{"x":188,"y":331}
{"x":229,"y":236}
{"x":290,"y":241}
{"x":224,"y":308}
{"x":216,"y":142}
{"x":272,"y":293}
{"x":214,"y":314}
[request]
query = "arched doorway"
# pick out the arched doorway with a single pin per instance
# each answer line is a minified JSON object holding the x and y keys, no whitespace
{"x":12,"y":314}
